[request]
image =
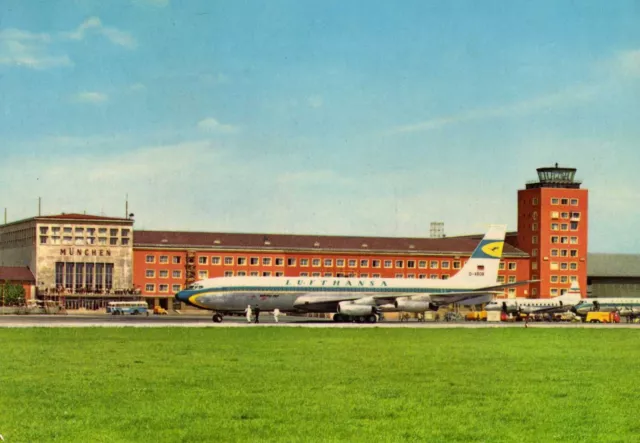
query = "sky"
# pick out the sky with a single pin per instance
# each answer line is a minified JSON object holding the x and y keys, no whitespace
{"x":319,"y":117}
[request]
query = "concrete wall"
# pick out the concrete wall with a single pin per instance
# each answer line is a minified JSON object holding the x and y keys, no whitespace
{"x":18,"y":245}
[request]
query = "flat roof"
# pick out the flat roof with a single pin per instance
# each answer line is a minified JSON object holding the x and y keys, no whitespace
{"x":613,"y":265}
{"x":463,"y":245}
{"x":71,"y":217}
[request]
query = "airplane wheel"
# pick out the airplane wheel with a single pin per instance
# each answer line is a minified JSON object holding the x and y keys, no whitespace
{"x":338,"y":318}
{"x":360,"y":319}
{"x":217,"y":318}
{"x":372,"y":319}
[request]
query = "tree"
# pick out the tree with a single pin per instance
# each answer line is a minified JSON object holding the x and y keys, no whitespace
{"x":12,"y":295}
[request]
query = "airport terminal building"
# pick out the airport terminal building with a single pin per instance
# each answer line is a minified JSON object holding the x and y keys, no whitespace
{"x":87,"y":260}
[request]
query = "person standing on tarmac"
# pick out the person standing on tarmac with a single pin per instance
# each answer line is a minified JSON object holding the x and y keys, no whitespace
{"x":276,"y":312}
{"x":248,"y":312}
{"x":257,"y":313}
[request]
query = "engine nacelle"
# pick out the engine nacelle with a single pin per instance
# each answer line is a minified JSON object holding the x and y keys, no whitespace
{"x":348,"y":308}
{"x":415,"y":306}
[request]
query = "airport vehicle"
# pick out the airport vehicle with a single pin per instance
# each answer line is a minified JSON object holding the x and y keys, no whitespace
{"x":158,"y":310}
{"x":561,"y":303}
{"x":127,"y":307}
{"x":602,"y":317}
{"x":359,"y":299}
{"x":627,"y":307}
{"x":476,"y":316}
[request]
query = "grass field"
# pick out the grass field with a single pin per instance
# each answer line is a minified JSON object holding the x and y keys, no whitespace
{"x":290,"y":384}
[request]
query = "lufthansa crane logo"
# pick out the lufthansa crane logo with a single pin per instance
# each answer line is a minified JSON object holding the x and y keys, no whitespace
{"x":493,"y":249}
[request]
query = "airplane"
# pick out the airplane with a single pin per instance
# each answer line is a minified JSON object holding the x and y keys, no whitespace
{"x":561,"y":303}
{"x":626,"y":307}
{"x":358,"y":299}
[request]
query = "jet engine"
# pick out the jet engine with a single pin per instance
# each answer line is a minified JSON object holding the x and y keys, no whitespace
{"x":415,"y":306}
{"x":348,"y":308}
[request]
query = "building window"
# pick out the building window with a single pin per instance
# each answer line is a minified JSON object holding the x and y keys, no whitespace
{"x":554,"y":239}
{"x":388,"y":263}
{"x":279,"y":261}
{"x":512,"y":266}
{"x":175,"y":288}
{"x":99,"y":274}
{"x":555,"y":201}
{"x":553,"y":266}
{"x":564,"y":201}
{"x":554,"y":226}
{"x":315,"y":262}
{"x":422,"y":264}
{"x":328,"y":262}
{"x":554,"y":279}
{"x":564,"y":279}
{"x":242,"y":261}
{"x":150,"y":287}
{"x":500,"y":279}
{"x":163,"y":273}
{"x":534,"y":201}
{"x":125,"y":241}
{"x":163,"y":288}
{"x":573,"y":278}
{"x":112,"y":241}
{"x":215,"y":260}
{"x":411,"y":275}
{"x":253,"y":274}
{"x":176,"y":274}
{"x":113,"y":232}
{"x":444,"y":277}
{"x":79,"y":276}
{"x":433,"y":276}
{"x":564,"y":227}
{"x":445,"y":264}
{"x":304,"y":274}
{"x":163,"y":259}
{"x":398,"y":275}
{"x":564,"y":266}
{"x":534,"y":240}
{"x":512,"y":279}
{"x":150,"y":259}
{"x":375,"y":263}
{"x":327,"y":274}
{"x":456,"y":265}
{"x":176,"y":259}
{"x":125,"y":232}
{"x":304,"y":262}
{"x":574,"y":240}
{"x":281,"y":274}
{"x":315,"y":274}
{"x":375,"y":276}
{"x":411,"y":264}
{"x":254,"y":261}
{"x":202,"y":275}
{"x":534,"y":265}
{"x":433,"y":264}
{"x":574,"y":226}
{"x":228,"y":261}
{"x":202,"y":260}
{"x":291,"y":262}
{"x":364,"y":263}
{"x":534,"y":253}
{"x":399,"y":263}
{"x":43,"y":239}
{"x":501,"y":266}
{"x":340,"y":262}
{"x":575,"y":216}
{"x":68,"y":240}
{"x":229,"y":273}
{"x":352,"y":263}
{"x":554,"y":253}
{"x":573,"y":266}
{"x":266,"y":261}
{"x":534,"y":226}
{"x":241,"y":273}
{"x":564,"y":215}
{"x":564,"y":253}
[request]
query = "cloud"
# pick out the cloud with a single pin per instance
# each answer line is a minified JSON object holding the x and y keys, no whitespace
{"x":30,"y":50}
{"x":94,"y":25}
{"x":569,"y":97}
{"x":210,"y":124}
{"x":90,"y":97}
{"x":137,"y":87}
{"x":629,"y":63}
{"x":315,"y":101}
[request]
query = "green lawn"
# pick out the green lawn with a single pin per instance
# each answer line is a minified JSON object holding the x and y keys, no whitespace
{"x":290,"y":384}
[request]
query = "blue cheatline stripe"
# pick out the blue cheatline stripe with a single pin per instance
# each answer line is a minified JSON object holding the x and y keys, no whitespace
{"x":327,"y":289}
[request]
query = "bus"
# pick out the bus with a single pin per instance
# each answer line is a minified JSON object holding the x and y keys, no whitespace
{"x":127,"y":307}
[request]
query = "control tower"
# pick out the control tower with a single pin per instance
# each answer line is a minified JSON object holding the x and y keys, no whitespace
{"x":552,"y":228}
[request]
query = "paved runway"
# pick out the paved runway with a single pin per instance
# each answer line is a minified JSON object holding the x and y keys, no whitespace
{"x":199,"y":321}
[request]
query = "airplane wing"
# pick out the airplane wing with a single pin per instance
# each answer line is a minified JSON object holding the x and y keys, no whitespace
{"x":318,"y":299}
{"x":508,"y":285}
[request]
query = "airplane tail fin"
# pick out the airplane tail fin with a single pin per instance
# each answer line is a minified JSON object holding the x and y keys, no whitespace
{"x":482,"y":267}
{"x":573,"y":293}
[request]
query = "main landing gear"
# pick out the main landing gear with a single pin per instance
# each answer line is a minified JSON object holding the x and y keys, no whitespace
{"x":217,"y":318}
{"x":342,"y":318}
